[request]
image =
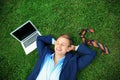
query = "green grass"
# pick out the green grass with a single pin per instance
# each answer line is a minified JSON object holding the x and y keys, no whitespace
{"x":56,"y":17}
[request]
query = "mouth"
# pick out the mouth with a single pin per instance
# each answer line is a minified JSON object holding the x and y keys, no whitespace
{"x":58,"y":50}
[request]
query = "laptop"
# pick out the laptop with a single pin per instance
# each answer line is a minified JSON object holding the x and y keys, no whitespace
{"x":26,"y":34}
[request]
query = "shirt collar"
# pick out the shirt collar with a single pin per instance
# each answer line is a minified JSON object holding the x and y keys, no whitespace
{"x":60,"y":61}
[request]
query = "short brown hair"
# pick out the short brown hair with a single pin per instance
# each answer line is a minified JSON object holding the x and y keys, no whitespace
{"x":67,"y":36}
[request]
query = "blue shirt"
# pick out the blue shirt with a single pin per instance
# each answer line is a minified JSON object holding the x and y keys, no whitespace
{"x":49,"y":71}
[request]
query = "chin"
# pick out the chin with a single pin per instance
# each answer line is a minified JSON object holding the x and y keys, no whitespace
{"x":57,"y":52}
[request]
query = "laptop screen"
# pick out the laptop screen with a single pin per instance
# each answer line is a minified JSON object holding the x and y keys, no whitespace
{"x":24,"y":31}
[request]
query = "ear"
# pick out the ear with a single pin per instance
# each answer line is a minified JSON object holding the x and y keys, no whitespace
{"x":69,"y":49}
{"x":72,"y":47}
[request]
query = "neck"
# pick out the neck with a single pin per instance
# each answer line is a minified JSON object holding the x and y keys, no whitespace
{"x":57,"y":58}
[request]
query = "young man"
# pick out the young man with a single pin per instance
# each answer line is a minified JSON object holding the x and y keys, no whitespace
{"x":60,"y":64}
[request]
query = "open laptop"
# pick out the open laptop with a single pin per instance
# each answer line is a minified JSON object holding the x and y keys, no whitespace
{"x":26,"y":34}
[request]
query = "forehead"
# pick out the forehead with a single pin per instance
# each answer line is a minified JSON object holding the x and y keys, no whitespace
{"x":63,"y":40}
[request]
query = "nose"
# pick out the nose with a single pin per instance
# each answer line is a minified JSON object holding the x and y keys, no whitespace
{"x":59,"y":46}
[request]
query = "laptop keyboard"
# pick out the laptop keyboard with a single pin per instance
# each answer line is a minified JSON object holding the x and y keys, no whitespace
{"x":30,"y":40}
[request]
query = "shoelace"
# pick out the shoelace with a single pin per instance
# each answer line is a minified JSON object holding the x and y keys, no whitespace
{"x":93,"y":42}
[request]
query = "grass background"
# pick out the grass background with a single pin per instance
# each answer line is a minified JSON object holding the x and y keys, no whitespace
{"x":56,"y":17}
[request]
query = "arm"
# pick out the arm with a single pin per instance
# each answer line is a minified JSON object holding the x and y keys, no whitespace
{"x":42,"y":42}
{"x":87,"y":55}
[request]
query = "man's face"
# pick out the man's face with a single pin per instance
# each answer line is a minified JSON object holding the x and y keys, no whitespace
{"x":62,"y":46}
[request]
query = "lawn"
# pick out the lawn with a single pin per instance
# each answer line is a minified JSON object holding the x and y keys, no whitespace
{"x":56,"y":17}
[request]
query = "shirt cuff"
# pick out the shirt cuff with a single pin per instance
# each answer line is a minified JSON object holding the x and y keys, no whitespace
{"x":76,"y":48}
{"x":53,"y":41}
